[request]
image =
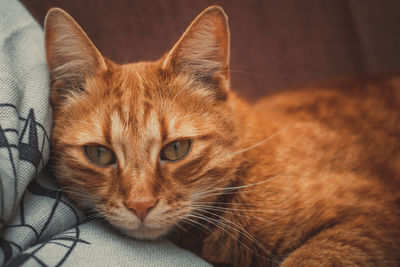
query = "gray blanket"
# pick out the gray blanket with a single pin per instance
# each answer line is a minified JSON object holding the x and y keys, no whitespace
{"x":39,"y":226}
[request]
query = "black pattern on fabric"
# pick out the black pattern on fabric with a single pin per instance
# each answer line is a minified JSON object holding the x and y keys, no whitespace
{"x":30,"y":150}
{"x":28,"y":144}
{"x":67,"y":240}
{"x":27,"y":147}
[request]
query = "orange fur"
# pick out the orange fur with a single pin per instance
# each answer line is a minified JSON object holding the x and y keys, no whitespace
{"x":303,"y":178}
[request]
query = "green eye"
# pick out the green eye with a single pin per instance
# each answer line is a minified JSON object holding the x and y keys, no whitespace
{"x":175,"y":150}
{"x":99,"y":155}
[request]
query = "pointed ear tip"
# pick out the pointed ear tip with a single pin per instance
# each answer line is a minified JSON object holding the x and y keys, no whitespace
{"x":215,"y":9}
{"x":54,"y":13}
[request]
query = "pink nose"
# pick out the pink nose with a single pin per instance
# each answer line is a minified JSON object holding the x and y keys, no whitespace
{"x":141,"y":208}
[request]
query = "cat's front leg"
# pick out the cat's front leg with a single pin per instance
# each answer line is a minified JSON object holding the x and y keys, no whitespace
{"x":346,"y":245}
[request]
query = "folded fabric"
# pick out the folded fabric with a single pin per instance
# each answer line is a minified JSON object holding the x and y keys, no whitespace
{"x":25,"y":115}
{"x":39,"y":226}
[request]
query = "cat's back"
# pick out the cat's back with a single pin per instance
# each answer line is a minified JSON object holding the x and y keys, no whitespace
{"x":351,"y":125}
{"x":375,"y":97}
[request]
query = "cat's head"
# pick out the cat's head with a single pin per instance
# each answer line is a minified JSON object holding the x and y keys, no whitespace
{"x":143,"y":144}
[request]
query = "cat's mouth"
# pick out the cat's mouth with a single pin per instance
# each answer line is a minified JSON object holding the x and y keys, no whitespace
{"x":153,"y":227}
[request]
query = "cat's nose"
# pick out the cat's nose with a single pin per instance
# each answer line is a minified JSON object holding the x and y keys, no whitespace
{"x":141,"y":208}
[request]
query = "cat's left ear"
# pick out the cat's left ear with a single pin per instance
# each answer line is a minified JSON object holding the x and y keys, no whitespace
{"x":203,"y":50}
{"x":71,"y":55}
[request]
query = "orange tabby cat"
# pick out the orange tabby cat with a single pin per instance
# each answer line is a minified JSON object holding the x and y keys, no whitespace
{"x":304,"y":178}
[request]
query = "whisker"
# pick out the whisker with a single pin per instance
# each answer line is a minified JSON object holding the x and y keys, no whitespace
{"x":176,"y":95}
{"x":248,"y":72}
{"x":232,"y":203}
{"x":81,"y":195}
{"x":93,"y":217}
{"x":240,"y":231}
{"x":236,"y":214}
{"x":238,"y":228}
{"x":194,"y":223}
{"x":87,"y":101}
{"x":212,"y":221}
{"x":225,"y":193}
{"x":235,"y":209}
{"x":235,"y":187}
{"x":73,"y":190}
{"x":262,"y":141}
{"x":183,"y":228}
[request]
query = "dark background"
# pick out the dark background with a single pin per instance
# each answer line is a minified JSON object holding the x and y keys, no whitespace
{"x":275,"y":44}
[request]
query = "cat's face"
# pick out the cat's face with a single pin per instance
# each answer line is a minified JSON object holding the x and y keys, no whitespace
{"x":143,"y":144}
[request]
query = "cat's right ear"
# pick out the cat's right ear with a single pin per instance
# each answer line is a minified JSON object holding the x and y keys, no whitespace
{"x":71,"y":56}
{"x":203,"y":51}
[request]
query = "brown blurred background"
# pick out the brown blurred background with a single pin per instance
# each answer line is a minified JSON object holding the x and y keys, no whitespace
{"x":275,"y":44}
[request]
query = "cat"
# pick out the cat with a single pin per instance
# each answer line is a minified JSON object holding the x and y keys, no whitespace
{"x":308,"y":177}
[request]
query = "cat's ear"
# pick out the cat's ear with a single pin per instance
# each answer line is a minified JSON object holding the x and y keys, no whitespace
{"x":71,"y":56}
{"x":203,"y":49}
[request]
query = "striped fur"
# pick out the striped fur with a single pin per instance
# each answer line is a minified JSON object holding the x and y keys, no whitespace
{"x":307,"y":178}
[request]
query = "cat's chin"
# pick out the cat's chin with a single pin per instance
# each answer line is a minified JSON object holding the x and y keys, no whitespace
{"x":145,"y":233}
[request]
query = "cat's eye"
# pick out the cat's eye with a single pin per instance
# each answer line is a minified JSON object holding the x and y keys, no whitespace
{"x":99,"y":155}
{"x":176,"y":150}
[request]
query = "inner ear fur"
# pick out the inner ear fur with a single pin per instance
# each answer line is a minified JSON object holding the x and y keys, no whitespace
{"x":203,"y":49}
{"x":71,"y":55}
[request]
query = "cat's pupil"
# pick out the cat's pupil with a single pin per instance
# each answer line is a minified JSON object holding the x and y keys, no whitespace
{"x":99,"y":151}
{"x":176,"y":147}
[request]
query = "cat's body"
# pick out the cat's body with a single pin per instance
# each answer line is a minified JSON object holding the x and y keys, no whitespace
{"x":332,"y":158}
{"x":309,"y":177}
